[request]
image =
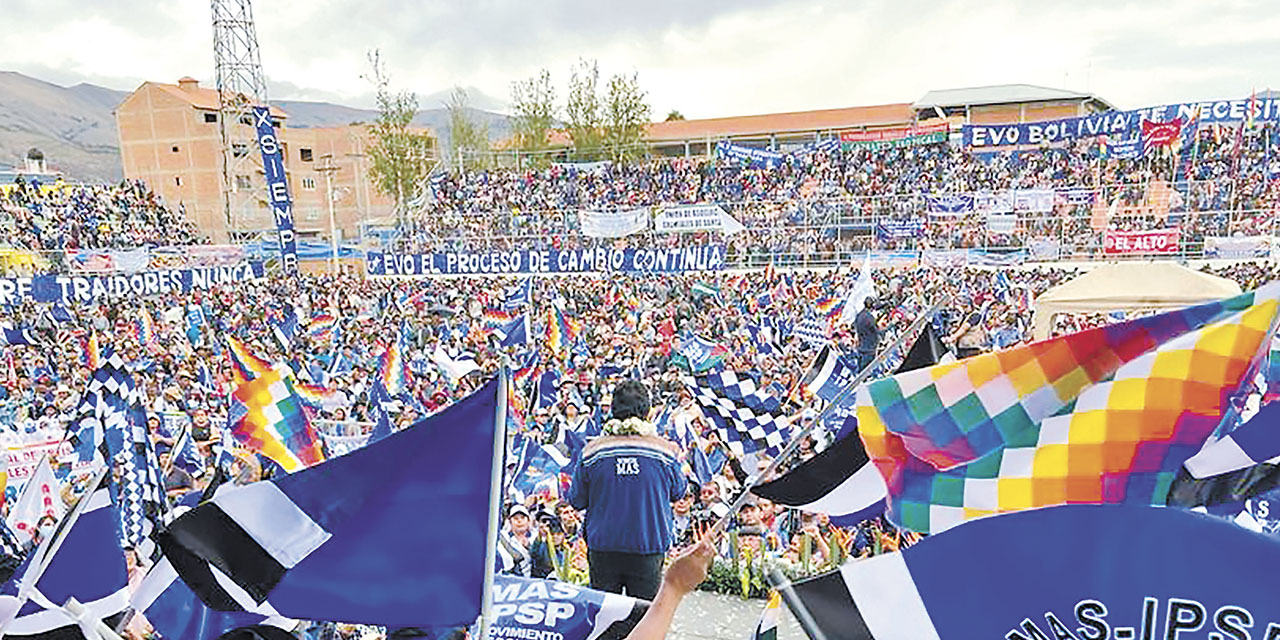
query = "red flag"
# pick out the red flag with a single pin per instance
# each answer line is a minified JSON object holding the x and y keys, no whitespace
{"x":1161,"y":134}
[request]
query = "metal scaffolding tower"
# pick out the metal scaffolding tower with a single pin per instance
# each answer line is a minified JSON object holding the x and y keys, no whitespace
{"x":240,"y":85}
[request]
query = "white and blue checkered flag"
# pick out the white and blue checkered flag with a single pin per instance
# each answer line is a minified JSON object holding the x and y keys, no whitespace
{"x":141,"y":496}
{"x":747,"y":418}
{"x":100,"y":421}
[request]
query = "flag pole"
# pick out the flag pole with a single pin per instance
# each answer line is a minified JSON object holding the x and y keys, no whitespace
{"x":43,"y":554}
{"x":794,"y":445}
{"x":495,"y":499}
{"x":784,"y":587}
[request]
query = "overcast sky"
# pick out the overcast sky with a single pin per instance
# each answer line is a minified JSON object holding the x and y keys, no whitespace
{"x":705,"y":58}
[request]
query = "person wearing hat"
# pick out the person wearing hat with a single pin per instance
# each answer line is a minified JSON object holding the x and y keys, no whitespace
{"x":514,"y":542}
{"x":626,"y":483}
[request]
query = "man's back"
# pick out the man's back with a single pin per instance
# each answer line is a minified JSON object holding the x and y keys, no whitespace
{"x":626,"y":484}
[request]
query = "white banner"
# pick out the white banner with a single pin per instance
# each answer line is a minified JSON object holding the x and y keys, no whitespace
{"x":1037,"y":200}
{"x":1002,"y":222}
{"x":1237,"y":247}
{"x":695,"y":217}
{"x":613,"y":224}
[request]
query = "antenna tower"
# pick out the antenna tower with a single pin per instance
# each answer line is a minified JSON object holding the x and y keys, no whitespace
{"x":240,"y":85}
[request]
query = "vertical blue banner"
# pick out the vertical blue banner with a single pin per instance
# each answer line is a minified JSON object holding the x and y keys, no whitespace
{"x":277,"y":189}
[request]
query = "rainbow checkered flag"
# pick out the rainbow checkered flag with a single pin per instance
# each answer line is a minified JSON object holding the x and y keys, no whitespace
{"x":1107,"y":415}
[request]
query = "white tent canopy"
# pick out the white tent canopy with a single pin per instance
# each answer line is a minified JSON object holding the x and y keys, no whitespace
{"x":1129,"y":286}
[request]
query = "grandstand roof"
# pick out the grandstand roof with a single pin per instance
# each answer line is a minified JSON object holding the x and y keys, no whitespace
{"x":1001,"y":94}
{"x":199,"y":97}
{"x":796,"y":121}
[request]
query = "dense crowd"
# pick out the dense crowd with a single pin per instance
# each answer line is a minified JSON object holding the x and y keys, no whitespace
{"x":127,"y":215}
{"x":619,"y":327}
{"x":829,"y":201}
{"x":823,"y":203}
{"x":630,"y":327}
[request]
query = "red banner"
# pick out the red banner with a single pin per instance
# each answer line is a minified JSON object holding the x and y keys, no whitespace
{"x":896,"y":133}
{"x":1161,"y":241}
{"x":1161,"y":134}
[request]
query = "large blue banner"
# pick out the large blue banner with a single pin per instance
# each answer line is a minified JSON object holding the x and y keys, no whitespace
{"x":64,"y":288}
{"x":277,"y":189}
{"x":629,"y":260}
{"x":1114,"y":123}
{"x":551,"y":610}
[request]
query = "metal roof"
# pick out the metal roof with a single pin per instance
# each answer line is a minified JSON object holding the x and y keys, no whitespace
{"x":1000,"y":94}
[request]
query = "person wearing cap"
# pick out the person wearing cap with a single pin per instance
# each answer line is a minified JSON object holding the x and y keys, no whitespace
{"x":626,"y":483}
{"x":514,"y":542}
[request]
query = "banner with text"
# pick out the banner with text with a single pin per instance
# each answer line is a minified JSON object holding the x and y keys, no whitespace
{"x":1160,"y":241}
{"x":277,"y":189}
{"x":64,"y":288}
{"x":1237,"y":247}
{"x":751,"y":156}
{"x":613,"y":224}
{"x":1122,"y":123}
{"x":695,"y":217}
{"x":628,"y":260}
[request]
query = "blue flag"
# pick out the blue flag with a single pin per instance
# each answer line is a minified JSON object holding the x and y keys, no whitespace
{"x":548,"y":389}
{"x":286,"y":330}
{"x":88,"y":566}
{"x":175,"y":611}
{"x":519,"y":295}
{"x":538,"y":468}
{"x":378,"y":401}
{"x":10,"y":336}
{"x":60,"y":313}
{"x":1131,"y":575}
{"x":391,"y":534}
{"x":514,"y":333}
{"x":195,"y":323}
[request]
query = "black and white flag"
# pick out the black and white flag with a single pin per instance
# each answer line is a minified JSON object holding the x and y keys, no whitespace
{"x":747,"y":418}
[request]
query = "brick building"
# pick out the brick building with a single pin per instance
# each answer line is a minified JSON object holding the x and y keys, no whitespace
{"x":169,"y":137}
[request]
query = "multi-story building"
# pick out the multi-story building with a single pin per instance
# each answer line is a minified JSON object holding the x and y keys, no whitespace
{"x":170,"y":138}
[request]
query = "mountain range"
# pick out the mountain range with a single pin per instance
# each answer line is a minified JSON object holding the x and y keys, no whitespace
{"x":75,"y":126}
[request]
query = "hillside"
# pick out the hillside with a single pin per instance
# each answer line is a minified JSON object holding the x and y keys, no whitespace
{"x":75,"y":127}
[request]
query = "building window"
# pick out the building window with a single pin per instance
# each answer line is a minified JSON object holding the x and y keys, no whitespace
{"x":311,"y":215}
{"x":174,"y":149}
{"x":304,"y":154}
{"x":177,"y":181}
{"x":210,"y":117}
{"x":242,"y":182}
{"x":239,"y":149}
{"x":308,"y":184}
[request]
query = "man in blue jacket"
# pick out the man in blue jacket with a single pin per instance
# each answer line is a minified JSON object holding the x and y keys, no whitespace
{"x":626,"y":483}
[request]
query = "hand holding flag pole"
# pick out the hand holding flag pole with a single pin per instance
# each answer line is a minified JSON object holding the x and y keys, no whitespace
{"x":794,"y":445}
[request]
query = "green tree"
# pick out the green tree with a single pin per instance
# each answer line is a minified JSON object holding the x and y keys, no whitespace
{"x":401,"y":155}
{"x":584,"y":112}
{"x":533,"y":114}
{"x":468,"y":138}
{"x":626,"y":119}
{"x":674,"y":115}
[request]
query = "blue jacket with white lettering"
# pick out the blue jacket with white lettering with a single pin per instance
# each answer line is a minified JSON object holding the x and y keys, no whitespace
{"x":626,"y":484}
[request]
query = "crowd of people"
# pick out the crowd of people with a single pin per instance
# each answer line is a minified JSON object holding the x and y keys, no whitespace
{"x":813,"y":206}
{"x":837,"y":200}
{"x":629,"y":328}
{"x":615,"y":370}
{"x":58,"y":217}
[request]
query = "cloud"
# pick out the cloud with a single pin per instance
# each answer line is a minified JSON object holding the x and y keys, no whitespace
{"x":707,"y":58}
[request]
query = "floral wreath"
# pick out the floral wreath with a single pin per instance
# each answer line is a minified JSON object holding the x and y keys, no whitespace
{"x":633,"y":426}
